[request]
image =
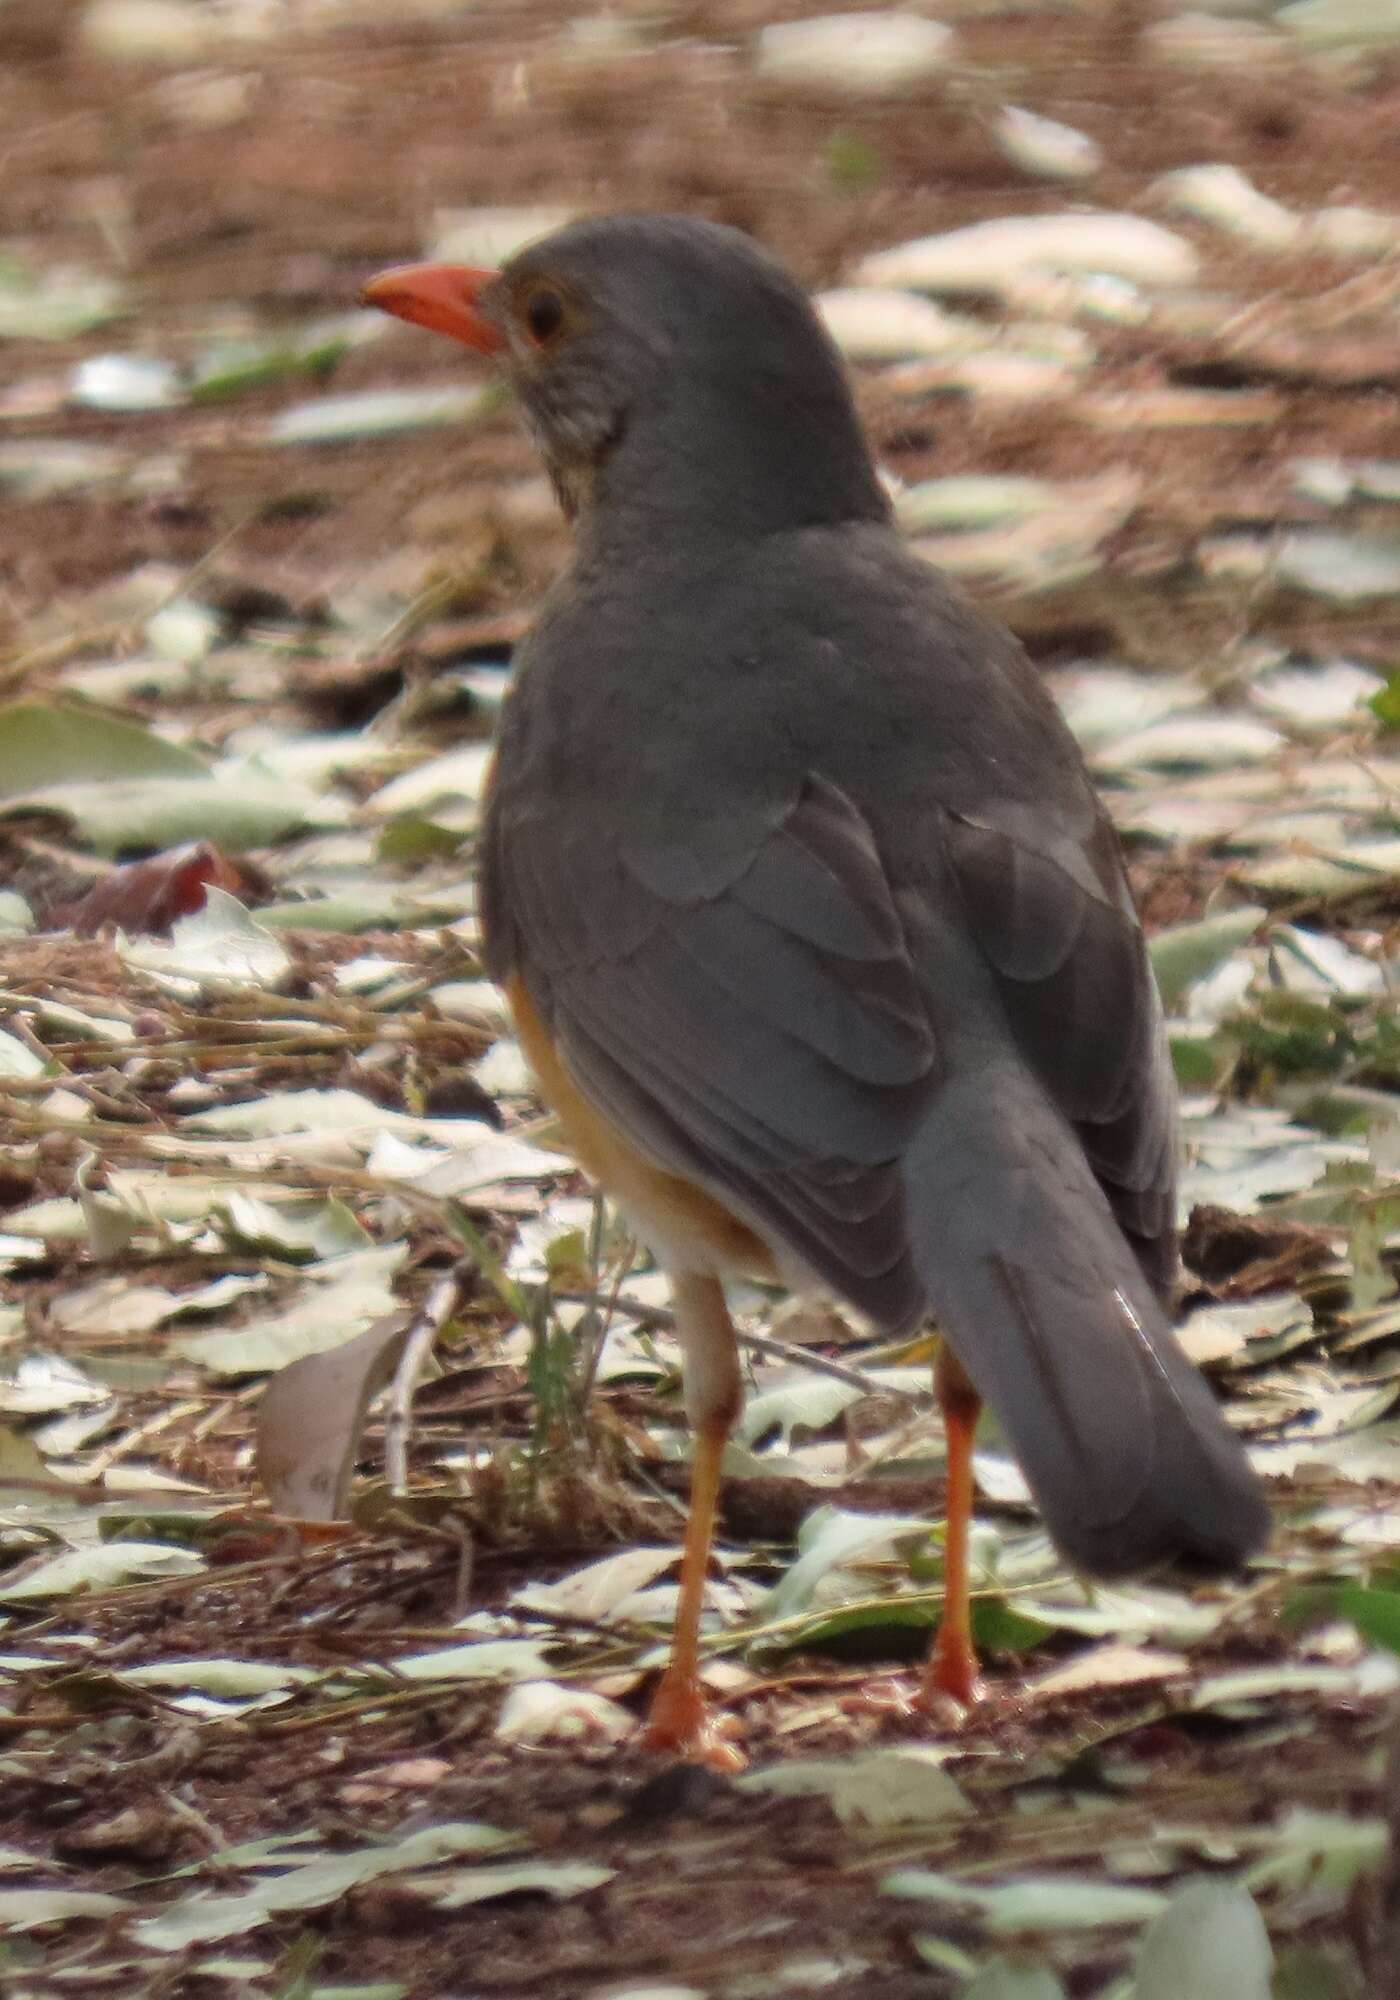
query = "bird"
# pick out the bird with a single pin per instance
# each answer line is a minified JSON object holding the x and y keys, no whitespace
{"x":816,"y":936}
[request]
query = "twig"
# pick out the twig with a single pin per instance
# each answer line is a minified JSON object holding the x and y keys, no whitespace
{"x":436,"y":1310}
{"x":759,"y":1343}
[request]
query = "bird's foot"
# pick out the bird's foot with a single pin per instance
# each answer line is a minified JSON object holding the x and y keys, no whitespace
{"x":683,"y":1723}
{"x":951,"y":1675}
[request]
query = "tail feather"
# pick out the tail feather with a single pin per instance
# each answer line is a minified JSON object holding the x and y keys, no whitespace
{"x":1031,"y":1279}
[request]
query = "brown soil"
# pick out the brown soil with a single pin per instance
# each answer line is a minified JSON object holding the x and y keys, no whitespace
{"x":349,"y":142}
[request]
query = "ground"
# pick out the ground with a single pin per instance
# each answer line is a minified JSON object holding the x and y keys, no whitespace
{"x":319,"y":622}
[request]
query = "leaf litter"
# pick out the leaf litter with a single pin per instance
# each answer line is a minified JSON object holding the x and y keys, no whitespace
{"x":255,"y":1143}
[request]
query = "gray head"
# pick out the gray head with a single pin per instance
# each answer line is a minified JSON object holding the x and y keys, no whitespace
{"x":669,"y":369}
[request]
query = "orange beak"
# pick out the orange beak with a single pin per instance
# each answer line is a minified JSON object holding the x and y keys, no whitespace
{"x":441,"y":296}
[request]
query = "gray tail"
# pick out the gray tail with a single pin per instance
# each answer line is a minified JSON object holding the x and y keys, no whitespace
{"x":1032,"y":1281}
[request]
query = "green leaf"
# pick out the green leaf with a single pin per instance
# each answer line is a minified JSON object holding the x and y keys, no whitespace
{"x":853,"y":163}
{"x":42,"y":744}
{"x":1374,"y":1613}
{"x":1188,"y":952}
{"x":464,"y":1886}
{"x":1385,"y":703}
{"x":1039,"y":1903}
{"x":1002,"y":1979}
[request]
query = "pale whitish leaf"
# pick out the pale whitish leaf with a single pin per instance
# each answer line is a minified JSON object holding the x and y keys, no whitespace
{"x":123,"y":383}
{"x":220,"y":945}
{"x":1319,"y":1850}
{"x":23,"y":1909}
{"x":74,"y":1024}
{"x":184,"y":631}
{"x":114,"y":1306}
{"x":1040,"y":1903}
{"x":295,"y":1231}
{"x":1343,"y":568}
{"x":827,"y":1538}
{"x":478,"y":1001}
{"x":1326,"y":696}
{"x":1130,"y":1612}
{"x":145,"y":1198}
{"x":301,"y":1111}
{"x":17,"y":1058}
{"x":869,"y":323}
{"x":16,"y":1857}
{"x":647,"y":1989}
{"x":54,"y":305}
{"x":1238,"y":1157}
{"x":1207,"y":740}
{"x":854,"y":55}
{"x":601,"y":1589}
{"x":1003,"y":1980}
{"x":1217,"y":1333}
{"x":487,"y":237}
{"x":223,"y":1679}
{"x":1110,"y":1665}
{"x":1338,"y":24}
{"x":1221,"y":194}
{"x":43,"y":1384}
{"x":485,"y":1160}
{"x":885,"y":1787}
{"x":1009,"y":374}
{"x":974,"y":500}
{"x":381,"y":1989}
{"x":164,"y":812}
{"x":503,"y":1070}
{"x":1329,"y":871}
{"x":163,"y":31}
{"x":1101,"y":704}
{"x":1295,"y":1677}
{"x":42,"y":744}
{"x":203,"y":1918}
{"x":310,"y":1419}
{"x":377,"y":413}
{"x":545,"y":1712}
{"x":371,"y":974}
{"x":459,"y":774}
{"x":1307,"y":961}
{"x":800,"y":1398}
{"x":358,"y":905}
{"x":480,"y":1660}
{"x":1188,"y":952}
{"x":1044,"y":147}
{"x":464,"y":1886}
{"x":1209,"y":1942}
{"x":98,"y":1567}
{"x":993,"y":256}
{"x":334,"y":1306}
{"x":40,"y":467}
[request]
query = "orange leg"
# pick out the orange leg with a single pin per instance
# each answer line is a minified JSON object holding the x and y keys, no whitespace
{"x":952,"y":1665}
{"x":680,"y":1720}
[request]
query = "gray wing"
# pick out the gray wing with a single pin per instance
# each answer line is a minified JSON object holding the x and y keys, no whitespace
{"x":1057,"y":925}
{"x":741,"y":1005}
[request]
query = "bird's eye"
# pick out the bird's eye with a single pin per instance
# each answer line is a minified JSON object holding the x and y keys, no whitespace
{"x":544,"y":315}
